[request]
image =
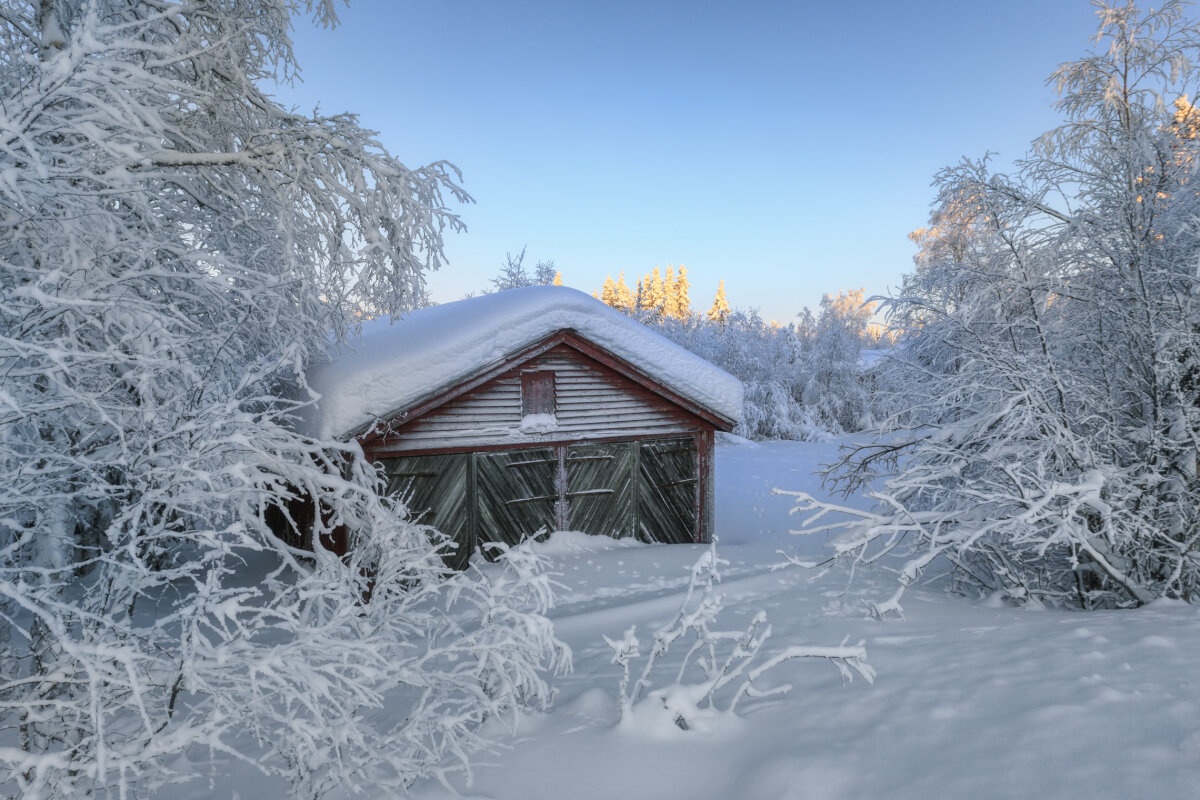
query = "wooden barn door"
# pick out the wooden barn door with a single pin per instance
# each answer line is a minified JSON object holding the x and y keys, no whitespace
{"x":668,"y":500}
{"x":517,"y":493}
{"x":646,"y":489}
{"x":436,"y":491}
{"x":600,"y":488}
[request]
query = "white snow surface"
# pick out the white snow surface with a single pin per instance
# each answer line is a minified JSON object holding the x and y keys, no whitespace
{"x":971,"y":699}
{"x":394,"y":365}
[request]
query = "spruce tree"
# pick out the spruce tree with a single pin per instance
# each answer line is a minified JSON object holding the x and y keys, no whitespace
{"x":608,"y":292}
{"x":683,"y":303}
{"x":669,"y":309}
{"x":624,"y":297}
{"x":720,"y":307}
{"x":654,"y":294}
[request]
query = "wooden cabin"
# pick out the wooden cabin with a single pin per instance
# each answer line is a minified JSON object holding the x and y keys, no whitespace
{"x":545,"y":410}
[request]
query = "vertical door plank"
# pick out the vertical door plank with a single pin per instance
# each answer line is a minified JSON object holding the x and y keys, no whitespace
{"x":435,"y":489}
{"x":667,"y":489}
{"x":516,"y":493}
{"x":601,"y":488}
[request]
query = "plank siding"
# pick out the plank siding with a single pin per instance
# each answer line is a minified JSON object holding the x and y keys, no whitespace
{"x":626,"y":457}
{"x":590,"y":402}
{"x":642,"y":489}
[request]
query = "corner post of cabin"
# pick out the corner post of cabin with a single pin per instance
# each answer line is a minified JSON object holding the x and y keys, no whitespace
{"x":705,"y":489}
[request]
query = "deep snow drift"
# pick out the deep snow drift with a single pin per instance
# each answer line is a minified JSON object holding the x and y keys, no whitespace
{"x":969,"y":700}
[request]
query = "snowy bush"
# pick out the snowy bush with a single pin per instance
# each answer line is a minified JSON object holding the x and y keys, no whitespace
{"x":1043,"y":424}
{"x":175,"y":250}
{"x":769,"y":361}
{"x":803,"y":381}
{"x":719,"y":668}
{"x":836,"y":390}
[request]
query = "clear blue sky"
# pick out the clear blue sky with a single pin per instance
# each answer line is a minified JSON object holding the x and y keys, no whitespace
{"x":786,"y":148}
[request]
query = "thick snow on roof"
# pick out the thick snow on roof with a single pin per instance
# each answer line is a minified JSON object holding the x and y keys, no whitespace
{"x":394,"y":365}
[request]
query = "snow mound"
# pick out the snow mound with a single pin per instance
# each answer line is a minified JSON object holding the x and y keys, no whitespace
{"x":566,"y":542}
{"x":394,"y":365}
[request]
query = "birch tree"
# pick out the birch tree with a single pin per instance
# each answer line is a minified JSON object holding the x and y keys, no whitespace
{"x":1045,"y":405}
{"x":175,"y":251}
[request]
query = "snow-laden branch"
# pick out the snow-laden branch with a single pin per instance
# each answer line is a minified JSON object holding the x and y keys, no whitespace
{"x":1040,"y":434}
{"x":176,"y":251}
{"x":721,"y":658}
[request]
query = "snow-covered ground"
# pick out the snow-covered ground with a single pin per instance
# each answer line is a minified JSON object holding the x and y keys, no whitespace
{"x":969,"y":700}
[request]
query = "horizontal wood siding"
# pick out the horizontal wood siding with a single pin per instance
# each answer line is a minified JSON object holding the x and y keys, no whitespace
{"x":591,"y":401}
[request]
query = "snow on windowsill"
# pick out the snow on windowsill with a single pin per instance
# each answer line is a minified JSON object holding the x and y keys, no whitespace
{"x":538,"y":423}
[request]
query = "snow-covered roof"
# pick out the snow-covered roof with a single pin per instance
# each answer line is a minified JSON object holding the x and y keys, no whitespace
{"x":392,"y":366}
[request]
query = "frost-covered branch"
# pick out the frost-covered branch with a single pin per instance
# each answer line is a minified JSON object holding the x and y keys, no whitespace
{"x":721,"y":658}
{"x":1040,"y":431}
{"x":176,"y":252}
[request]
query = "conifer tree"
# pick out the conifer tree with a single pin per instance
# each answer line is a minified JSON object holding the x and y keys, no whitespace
{"x":683,"y":303}
{"x":720,"y":307}
{"x":668,"y":303}
{"x":624,"y":297}
{"x":608,"y":292}
{"x":557,"y":279}
{"x":654,"y":294}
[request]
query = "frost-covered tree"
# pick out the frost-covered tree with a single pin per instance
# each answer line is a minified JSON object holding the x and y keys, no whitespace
{"x":1045,"y":423}
{"x":653,"y":295}
{"x":175,"y":250}
{"x":802,"y":381}
{"x":768,"y":360}
{"x":546,"y":274}
{"x":513,"y":274}
{"x":720,"y":307}
{"x":608,"y":292}
{"x":678,"y":303}
{"x":835,"y":390}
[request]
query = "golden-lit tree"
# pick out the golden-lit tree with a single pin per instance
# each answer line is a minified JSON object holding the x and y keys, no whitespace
{"x":623,"y":298}
{"x":851,"y":306}
{"x":683,"y":302}
{"x":557,"y":279}
{"x":653,"y":292}
{"x":608,"y":292}
{"x":663,"y":295}
{"x":668,"y":302}
{"x":720,"y":307}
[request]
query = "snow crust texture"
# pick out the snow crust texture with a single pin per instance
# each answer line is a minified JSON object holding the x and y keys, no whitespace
{"x":393,"y":365}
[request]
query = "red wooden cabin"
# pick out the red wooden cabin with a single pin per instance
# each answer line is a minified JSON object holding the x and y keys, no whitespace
{"x":557,"y":433}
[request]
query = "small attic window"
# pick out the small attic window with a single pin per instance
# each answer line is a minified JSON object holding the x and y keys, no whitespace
{"x":537,"y":393}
